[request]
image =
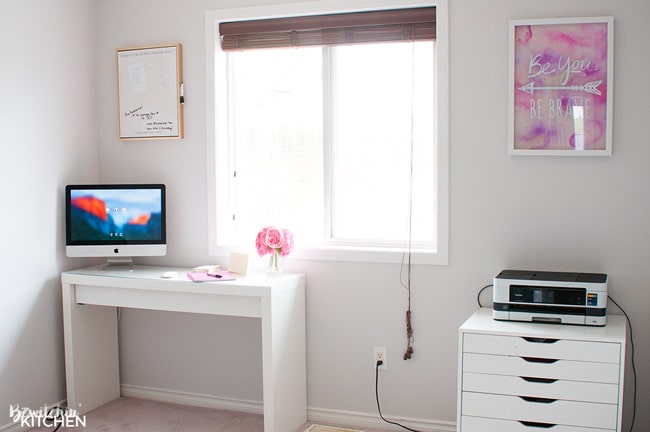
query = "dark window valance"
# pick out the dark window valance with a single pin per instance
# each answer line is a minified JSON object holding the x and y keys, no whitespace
{"x":334,"y":29}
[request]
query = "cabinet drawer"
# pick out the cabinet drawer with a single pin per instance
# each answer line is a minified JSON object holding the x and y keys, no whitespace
{"x":569,"y":413}
{"x":544,"y":388}
{"x":532,"y":367}
{"x":542,"y":347}
{"x":480,"y":424}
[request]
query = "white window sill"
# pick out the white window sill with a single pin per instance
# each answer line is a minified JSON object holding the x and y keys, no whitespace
{"x":356,"y":254}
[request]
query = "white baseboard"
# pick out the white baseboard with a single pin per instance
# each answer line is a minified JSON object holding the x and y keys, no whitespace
{"x":365,"y":420}
{"x":315,"y":415}
{"x":192,"y":399}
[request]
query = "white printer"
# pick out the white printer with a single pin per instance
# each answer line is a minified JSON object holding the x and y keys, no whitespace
{"x":550,"y":297}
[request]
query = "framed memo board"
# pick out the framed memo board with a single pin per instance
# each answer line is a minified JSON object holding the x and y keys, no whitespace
{"x":150,"y":92}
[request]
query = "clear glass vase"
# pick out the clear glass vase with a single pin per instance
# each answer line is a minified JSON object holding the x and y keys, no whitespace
{"x":274,"y":263}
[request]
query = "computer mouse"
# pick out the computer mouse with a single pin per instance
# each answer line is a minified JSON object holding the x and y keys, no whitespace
{"x":169,"y":274}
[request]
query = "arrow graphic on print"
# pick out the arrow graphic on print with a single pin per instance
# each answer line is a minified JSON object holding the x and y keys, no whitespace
{"x":591,"y":87}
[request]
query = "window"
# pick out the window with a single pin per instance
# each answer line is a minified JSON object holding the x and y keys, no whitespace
{"x":313,"y":139}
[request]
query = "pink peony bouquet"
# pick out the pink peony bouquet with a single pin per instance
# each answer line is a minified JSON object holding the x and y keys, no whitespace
{"x":274,"y":240}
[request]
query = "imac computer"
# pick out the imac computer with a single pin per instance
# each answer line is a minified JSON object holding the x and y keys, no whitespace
{"x":117,"y":221}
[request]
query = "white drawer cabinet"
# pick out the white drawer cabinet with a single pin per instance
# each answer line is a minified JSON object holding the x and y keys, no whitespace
{"x":530,"y":377}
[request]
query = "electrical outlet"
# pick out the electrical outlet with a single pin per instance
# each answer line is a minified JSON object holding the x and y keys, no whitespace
{"x":380,"y":356}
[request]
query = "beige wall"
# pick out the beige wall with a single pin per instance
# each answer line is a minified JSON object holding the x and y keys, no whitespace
{"x":572,"y":214}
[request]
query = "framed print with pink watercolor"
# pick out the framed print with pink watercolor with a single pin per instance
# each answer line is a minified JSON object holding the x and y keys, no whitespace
{"x":560,"y":86}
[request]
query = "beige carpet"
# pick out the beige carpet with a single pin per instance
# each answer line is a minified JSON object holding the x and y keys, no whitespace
{"x":140,"y":415}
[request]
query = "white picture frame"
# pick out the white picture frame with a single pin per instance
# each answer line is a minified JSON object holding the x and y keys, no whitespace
{"x":560,"y":86}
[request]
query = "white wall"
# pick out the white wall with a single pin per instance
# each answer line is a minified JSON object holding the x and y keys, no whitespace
{"x":585,"y":214}
{"x":571,"y":214}
{"x":48,"y":138}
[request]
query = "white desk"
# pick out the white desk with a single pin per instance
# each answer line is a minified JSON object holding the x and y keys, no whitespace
{"x":90,"y":298}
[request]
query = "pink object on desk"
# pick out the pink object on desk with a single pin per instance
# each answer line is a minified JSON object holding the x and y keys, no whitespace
{"x":211,"y":277}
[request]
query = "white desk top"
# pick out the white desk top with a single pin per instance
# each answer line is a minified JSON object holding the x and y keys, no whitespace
{"x":150,"y":277}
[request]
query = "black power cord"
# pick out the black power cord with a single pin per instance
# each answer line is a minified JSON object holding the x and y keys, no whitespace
{"x":629,"y":326}
{"x":478,"y":296}
{"x":56,"y":415}
{"x":379,"y":363}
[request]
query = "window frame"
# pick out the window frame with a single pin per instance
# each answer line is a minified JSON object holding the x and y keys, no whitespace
{"x":217,"y":157}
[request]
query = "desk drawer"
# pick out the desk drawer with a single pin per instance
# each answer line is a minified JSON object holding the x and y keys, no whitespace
{"x":176,"y":301}
{"x":544,"y":388}
{"x":480,"y":424}
{"x":533,"y":367}
{"x":569,"y":413}
{"x":542,"y":347}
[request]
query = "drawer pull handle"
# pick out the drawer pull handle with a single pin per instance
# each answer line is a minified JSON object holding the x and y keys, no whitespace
{"x":537,"y":424}
{"x":539,"y":340}
{"x":537,"y":399}
{"x":539,"y":380}
{"x":539,"y":360}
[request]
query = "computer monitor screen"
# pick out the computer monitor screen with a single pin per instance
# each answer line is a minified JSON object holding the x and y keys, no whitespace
{"x":122,"y":220}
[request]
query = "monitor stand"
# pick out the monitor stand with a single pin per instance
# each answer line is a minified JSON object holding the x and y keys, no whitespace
{"x":121,"y":263}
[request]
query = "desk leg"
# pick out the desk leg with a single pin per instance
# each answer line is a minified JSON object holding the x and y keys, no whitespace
{"x":91,"y":353}
{"x":283,"y":361}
